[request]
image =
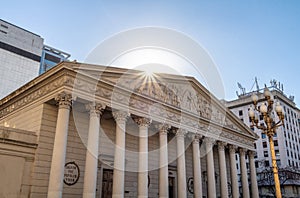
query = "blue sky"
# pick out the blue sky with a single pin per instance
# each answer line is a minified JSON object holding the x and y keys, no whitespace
{"x":245,"y":38}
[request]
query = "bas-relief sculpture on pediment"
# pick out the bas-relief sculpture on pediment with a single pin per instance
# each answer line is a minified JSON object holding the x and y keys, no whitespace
{"x":182,"y":96}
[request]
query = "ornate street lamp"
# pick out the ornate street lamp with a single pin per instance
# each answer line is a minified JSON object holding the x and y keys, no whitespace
{"x":269,"y":128}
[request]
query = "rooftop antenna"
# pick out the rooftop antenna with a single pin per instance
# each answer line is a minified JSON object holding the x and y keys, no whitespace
{"x":243,"y":90}
{"x":256,"y":83}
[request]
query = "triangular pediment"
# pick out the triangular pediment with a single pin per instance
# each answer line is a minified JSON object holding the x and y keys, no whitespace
{"x":183,"y":93}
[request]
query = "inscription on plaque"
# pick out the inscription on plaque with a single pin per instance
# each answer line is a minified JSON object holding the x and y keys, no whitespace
{"x":71,"y":174}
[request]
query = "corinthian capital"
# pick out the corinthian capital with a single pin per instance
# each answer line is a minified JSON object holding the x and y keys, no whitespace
{"x":251,"y":154}
{"x":120,"y":116}
{"x":141,"y":121}
{"x":163,"y":128}
{"x":64,"y":100}
{"x":180,"y":132}
{"x":242,"y":151}
{"x":95,"y":109}
{"x":232,"y":148}
{"x":197,"y":138}
{"x":221,"y":145}
{"x":209,"y":141}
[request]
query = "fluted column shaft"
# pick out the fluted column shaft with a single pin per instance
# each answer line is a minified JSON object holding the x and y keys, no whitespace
{"x":163,"y":161}
{"x":254,"y":187}
{"x":119,"y":158}
{"x":211,"y":181}
{"x":197,"y":167}
{"x":233,"y":172}
{"x":143,"y":123}
{"x":91,"y":161}
{"x":181,"y":171}
{"x":223,"y":171}
{"x":245,"y":185}
{"x":60,"y":145}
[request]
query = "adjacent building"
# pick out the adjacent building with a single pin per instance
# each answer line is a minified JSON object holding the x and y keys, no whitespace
{"x":23,"y":56}
{"x":81,"y":130}
{"x":51,"y":57}
{"x":286,"y":142}
{"x":20,"y":54}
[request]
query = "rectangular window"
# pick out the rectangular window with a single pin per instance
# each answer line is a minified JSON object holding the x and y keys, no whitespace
{"x":275,"y":142}
{"x":267,"y":163}
{"x":3,"y":32}
{"x":266,"y":154}
{"x":278,"y":163}
{"x":240,"y":112}
{"x":265,"y":145}
{"x":263,"y":136}
{"x":4,"y":26}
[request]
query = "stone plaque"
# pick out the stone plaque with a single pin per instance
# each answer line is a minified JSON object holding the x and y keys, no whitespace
{"x":71,"y":174}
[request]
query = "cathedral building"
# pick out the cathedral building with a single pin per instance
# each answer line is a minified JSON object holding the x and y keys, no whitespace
{"x":82,"y":130}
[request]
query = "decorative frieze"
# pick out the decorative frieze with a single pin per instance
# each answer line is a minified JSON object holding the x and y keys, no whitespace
{"x":37,"y":94}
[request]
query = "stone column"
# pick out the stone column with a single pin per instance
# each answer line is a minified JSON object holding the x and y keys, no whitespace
{"x":197,"y":167}
{"x":143,"y":123}
{"x":233,"y":172}
{"x":91,"y":159}
{"x":181,"y":172}
{"x":254,"y":187}
{"x":60,"y":146}
{"x":119,"y":158}
{"x":244,"y":175}
{"x":163,"y":161}
{"x":211,"y":181}
{"x":223,"y":171}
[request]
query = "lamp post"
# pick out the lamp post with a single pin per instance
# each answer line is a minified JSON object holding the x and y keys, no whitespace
{"x":269,"y":128}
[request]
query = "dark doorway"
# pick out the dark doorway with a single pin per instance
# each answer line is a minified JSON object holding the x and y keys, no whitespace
{"x":107,"y":183}
{"x":171,"y":187}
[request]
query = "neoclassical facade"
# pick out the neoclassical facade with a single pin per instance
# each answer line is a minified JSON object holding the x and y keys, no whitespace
{"x":83,"y":130}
